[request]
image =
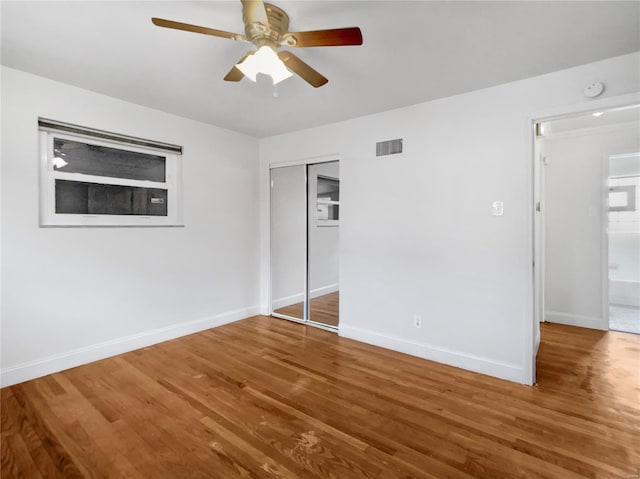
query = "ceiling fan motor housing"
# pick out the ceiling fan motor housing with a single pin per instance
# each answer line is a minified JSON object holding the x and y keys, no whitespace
{"x":271,"y":35}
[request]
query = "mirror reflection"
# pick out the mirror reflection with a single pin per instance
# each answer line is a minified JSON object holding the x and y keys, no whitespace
{"x":288,"y":242}
{"x":323,"y":228}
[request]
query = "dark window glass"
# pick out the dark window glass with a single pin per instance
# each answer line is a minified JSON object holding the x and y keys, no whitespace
{"x":74,"y":197}
{"x":334,"y":212}
{"x":328,"y":188}
{"x":76,"y":157}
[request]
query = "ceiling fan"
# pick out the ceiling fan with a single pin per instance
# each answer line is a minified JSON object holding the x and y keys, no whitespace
{"x":267,"y":27}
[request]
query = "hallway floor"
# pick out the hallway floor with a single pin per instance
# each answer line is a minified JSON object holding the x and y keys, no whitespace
{"x":624,"y":318}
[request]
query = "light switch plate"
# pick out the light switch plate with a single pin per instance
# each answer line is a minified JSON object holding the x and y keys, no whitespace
{"x":497,"y":208}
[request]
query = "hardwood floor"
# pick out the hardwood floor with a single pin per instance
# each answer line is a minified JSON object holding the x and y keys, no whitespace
{"x":323,"y":309}
{"x":266,"y":398}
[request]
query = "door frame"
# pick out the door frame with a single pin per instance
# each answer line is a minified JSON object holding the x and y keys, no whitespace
{"x":534,"y":270}
{"x":301,"y":162}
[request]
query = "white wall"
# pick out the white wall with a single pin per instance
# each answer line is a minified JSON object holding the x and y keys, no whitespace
{"x":71,"y":295}
{"x":575,"y":189}
{"x":430,"y":245}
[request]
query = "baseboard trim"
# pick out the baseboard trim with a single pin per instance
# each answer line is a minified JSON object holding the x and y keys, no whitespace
{"x":624,"y":292}
{"x":287,"y":301}
{"x":298,"y":298}
{"x":331,"y":288}
{"x":625,"y":301}
{"x":59,"y":362}
{"x":490,"y":367}
{"x":574,"y":320}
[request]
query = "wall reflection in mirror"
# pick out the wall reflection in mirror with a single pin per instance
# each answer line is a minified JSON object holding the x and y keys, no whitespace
{"x":305,"y":215}
{"x":288,"y":241}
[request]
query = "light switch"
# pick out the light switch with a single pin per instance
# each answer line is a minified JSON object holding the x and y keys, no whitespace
{"x":498,"y":208}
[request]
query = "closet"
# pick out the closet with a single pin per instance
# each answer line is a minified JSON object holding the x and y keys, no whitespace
{"x":305,"y":223}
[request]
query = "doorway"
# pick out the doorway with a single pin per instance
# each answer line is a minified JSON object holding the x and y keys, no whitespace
{"x":624,"y":242}
{"x":305,"y":219}
{"x":587,"y":223}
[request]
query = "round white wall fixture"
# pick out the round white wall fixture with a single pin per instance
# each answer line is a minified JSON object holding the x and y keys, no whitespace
{"x":593,"y":90}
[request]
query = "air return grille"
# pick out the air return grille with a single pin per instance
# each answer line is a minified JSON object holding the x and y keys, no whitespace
{"x":389,"y":147}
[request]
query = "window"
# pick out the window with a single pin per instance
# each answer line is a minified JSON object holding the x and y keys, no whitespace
{"x":622,"y":198}
{"x":328,"y":201}
{"x":91,"y":178}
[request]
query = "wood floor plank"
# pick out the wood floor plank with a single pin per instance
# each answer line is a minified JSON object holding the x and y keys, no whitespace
{"x":48,"y":453}
{"x":265,"y":398}
{"x":485,"y":425}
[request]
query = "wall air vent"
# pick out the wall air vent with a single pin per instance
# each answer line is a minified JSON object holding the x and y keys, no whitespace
{"x":389,"y":147}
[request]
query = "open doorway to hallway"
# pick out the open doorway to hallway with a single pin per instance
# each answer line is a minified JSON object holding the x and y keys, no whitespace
{"x":588,"y":220}
{"x":623,"y":232}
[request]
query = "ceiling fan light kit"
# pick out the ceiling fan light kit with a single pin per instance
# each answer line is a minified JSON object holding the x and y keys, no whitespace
{"x":266,"y":61}
{"x":267,"y":27}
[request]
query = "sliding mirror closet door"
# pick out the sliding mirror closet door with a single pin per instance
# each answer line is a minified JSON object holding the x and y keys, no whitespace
{"x":323,"y":226}
{"x":288,"y":242}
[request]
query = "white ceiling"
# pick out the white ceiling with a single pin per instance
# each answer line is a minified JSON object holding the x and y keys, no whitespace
{"x":413,"y":52}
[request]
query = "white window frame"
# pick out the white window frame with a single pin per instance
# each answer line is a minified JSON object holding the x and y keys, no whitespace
{"x":48,"y":176}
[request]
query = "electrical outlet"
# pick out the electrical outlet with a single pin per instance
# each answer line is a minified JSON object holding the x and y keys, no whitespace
{"x":417,"y":320}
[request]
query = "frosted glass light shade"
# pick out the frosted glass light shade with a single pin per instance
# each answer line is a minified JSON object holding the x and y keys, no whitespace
{"x":266,"y":61}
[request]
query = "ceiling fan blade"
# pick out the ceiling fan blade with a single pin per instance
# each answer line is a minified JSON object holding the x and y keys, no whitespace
{"x":307,"y":73}
{"x":160,"y":22}
{"x":324,"y":38}
{"x":235,"y":74}
{"x":254,"y":11}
